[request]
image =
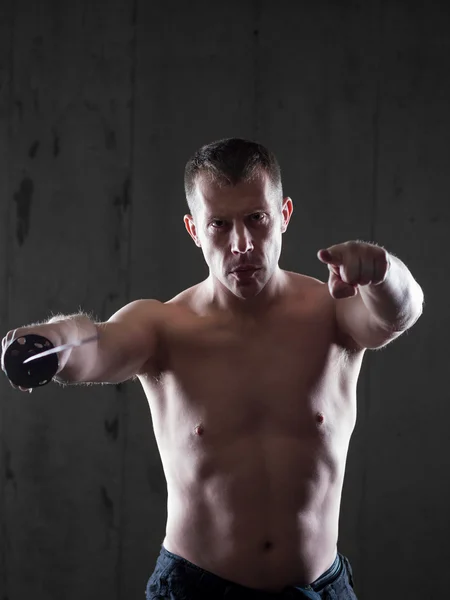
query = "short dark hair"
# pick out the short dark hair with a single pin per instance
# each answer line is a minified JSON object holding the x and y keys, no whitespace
{"x":229,"y":162}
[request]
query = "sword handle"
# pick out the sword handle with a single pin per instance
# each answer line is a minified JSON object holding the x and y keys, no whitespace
{"x":36,"y":373}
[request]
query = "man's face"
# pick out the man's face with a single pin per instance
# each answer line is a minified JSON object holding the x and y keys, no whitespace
{"x":239,"y":227}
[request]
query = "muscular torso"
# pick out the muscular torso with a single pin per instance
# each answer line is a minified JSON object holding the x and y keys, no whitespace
{"x":253,"y":420}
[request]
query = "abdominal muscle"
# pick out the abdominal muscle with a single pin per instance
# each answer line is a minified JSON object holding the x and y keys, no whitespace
{"x":253,"y":431}
{"x":262,"y":513}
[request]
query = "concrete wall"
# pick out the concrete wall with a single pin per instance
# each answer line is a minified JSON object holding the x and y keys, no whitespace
{"x":101,"y":104}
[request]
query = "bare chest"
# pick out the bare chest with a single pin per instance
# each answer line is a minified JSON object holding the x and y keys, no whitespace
{"x":223,"y":381}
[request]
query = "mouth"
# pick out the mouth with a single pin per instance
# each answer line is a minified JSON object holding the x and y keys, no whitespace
{"x":245,"y":273}
{"x":246,"y":269}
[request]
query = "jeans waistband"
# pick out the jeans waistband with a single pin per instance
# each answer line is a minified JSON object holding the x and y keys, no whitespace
{"x":325,"y":579}
{"x":329,"y":575}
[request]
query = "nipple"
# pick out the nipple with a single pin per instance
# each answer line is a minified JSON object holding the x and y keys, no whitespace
{"x":320,"y":418}
{"x":199,"y":430}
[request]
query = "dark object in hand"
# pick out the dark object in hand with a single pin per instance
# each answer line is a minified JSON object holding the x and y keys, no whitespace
{"x":36,"y":373}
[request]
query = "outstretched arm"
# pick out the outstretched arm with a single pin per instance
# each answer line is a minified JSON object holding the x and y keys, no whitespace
{"x":126,"y":344}
{"x":377,"y":298}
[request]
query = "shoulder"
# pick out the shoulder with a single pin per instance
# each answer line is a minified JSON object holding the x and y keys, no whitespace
{"x":147,"y":317}
{"x":147,"y":322}
{"x":304,"y":280}
{"x":189,"y":302}
{"x":156,"y":311}
{"x":314,"y":296}
{"x":184,"y":298}
{"x":306,"y":289}
{"x":310,"y":298}
{"x":138,"y":311}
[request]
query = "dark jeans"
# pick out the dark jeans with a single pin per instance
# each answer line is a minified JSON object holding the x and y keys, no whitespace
{"x":175,"y":578}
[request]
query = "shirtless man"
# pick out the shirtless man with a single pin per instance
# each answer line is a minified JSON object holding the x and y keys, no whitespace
{"x":251,"y":381}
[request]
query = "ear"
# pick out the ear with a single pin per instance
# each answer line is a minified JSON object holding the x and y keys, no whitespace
{"x":287,"y":210}
{"x":191,"y":229}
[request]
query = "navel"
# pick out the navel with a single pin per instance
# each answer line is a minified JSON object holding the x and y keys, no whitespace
{"x":268,"y":545}
{"x":199,"y":430}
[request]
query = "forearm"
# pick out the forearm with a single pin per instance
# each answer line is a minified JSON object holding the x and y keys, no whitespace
{"x":74,"y":361}
{"x":398,"y":301}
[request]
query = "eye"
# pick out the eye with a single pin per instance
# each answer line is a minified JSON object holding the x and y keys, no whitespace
{"x":220,"y":223}
{"x":217,"y":223}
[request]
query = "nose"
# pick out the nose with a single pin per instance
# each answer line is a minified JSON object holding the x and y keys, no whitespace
{"x":241,"y":240}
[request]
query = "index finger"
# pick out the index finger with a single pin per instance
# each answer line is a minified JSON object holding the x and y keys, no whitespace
{"x":331,"y":256}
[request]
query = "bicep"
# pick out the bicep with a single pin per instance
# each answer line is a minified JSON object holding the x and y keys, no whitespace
{"x":127,"y":342}
{"x":354,"y":320}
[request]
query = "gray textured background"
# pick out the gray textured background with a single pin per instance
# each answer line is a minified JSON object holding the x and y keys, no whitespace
{"x":101,"y":104}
